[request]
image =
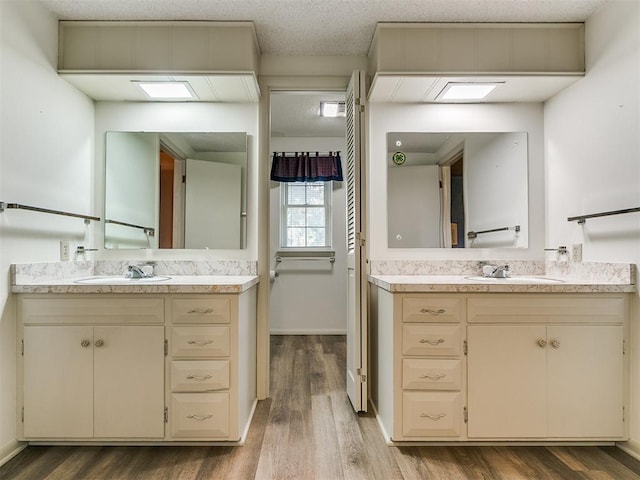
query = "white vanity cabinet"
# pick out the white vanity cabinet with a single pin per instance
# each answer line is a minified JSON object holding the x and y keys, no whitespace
{"x":546,"y":366}
{"x":500,"y":366}
{"x":211,"y":366}
{"x":421,"y":371}
{"x":136,"y":367}
{"x":92,"y":367}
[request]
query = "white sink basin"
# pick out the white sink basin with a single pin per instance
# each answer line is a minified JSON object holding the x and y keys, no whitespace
{"x":119,"y":280}
{"x":518,"y":279}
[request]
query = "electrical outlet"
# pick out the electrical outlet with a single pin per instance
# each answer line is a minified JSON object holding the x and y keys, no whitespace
{"x":65,"y":249}
{"x":576,"y":252}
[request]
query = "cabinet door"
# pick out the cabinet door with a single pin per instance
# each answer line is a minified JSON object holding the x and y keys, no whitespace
{"x":129,"y":381}
{"x":58,"y":386}
{"x":585,"y":388}
{"x":507,"y":381}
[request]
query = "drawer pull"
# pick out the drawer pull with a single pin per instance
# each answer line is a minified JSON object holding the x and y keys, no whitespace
{"x":542,"y":343}
{"x":200,"y":342}
{"x":432,"y":312}
{"x":432,"y":342}
{"x":200,"y":311}
{"x":198,"y":377}
{"x":85,"y":343}
{"x":433,"y":416}
{"x":435,"y":377}
{"x":195,"y":416}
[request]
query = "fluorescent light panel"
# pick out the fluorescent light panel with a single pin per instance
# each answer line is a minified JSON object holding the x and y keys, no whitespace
{"x":332,"y":109}
{"x":466,"y":91}
{"x":167,"y":90}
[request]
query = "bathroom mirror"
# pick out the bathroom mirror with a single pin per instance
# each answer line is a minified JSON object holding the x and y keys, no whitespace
{"x":457,"y":190}
{"x":175,"y":190}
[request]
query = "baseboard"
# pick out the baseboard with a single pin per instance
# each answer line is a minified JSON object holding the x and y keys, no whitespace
{"x":290,"y":331}
{"x":631,"y":447}
{"x":10,"y":450}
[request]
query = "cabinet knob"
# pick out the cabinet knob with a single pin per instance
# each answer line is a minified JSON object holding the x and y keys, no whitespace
{"x":99,"y":343}
{"x":555,"y":343}
{"x":432,"y":312}
{"x":432,"y":342}
{"x":542,"y":343}
{"x":85,"y":343}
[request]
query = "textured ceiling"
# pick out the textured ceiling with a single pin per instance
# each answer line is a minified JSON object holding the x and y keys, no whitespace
{"x":325,"y":27}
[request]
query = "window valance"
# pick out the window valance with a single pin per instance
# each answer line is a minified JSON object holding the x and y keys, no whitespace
{"x":306,"y":167}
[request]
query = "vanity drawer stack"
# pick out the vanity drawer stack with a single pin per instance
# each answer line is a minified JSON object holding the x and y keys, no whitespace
{"x":431,"y":340}
{"x":200,"y":377}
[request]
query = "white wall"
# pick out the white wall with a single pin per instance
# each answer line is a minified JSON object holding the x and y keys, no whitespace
{"x":182,"y":117}
{"x":414,"y":206}
{"x":46,"y":160}
{"x":133,"y":170}
{"x":310,"y":297}
{"x":384,"y":118}
{"x":592,"y":149}
{"x":496,"y":190}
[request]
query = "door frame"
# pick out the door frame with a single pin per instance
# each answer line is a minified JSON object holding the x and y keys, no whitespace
{"x":269,"y":84}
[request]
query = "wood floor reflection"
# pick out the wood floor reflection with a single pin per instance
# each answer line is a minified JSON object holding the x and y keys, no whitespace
{"x":307,"y":430}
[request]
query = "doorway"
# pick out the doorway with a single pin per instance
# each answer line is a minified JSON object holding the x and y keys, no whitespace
{"x":308,"y":281}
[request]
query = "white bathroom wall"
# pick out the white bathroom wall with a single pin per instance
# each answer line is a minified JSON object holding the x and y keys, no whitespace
{"x":182,"y":117}
{"x":515,"y":117}
{"x":592,"y":150}
{"x":46,"y":160}
{"x":133,"y":171}
{"x":486,"y":160}
{"x":414,"y":206}
{"x":310,"y":297}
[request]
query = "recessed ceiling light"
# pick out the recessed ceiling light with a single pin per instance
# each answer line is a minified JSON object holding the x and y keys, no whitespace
{"x":166,"y":90}
{"x":459,"y":91}
{"x":332,"y":109}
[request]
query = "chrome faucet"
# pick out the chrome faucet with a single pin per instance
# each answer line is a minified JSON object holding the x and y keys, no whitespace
{"x":501,"y":271}
{"x":135,"y":271}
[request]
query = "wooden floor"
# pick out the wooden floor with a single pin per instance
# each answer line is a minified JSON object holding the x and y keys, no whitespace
{"x":307,"y":430}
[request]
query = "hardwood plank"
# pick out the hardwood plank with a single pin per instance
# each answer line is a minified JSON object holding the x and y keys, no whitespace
{"x":326,"y":449}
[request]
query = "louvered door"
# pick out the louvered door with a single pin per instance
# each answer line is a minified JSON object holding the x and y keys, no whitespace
{"x":357,"y":279}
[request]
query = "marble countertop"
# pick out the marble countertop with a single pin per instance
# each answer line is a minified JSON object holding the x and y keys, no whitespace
{"x":524,"y":284}
{"x":174,"y":284}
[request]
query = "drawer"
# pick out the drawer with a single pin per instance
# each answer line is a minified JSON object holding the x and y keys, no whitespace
{"x":430,"y":339}
{"x":429,"y":374}
{"x":431,"y":414}
{"x":199,"y":375}
{"x":103,"y":310}
{"x":432,"y":309}
{"x":532,"y":307}
{"x":199,"y":415}
{"x":196,"y":342}
{"x":201,"y":310}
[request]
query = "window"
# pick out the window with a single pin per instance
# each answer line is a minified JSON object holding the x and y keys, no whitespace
{"x":305,"y":219}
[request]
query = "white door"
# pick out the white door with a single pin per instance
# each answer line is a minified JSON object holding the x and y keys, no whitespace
{"x":507,"y":381}
{"x":585,"y":389}
{"x":212,"y":205}
{"x":58,"y":381}
{"x":129,"y":381}
{"x":356,"y":250}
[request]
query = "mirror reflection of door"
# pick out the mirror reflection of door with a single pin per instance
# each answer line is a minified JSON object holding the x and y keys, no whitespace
{"x":457,"y":203}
